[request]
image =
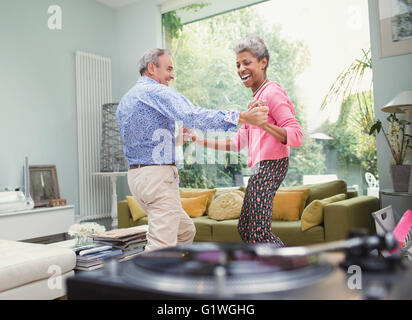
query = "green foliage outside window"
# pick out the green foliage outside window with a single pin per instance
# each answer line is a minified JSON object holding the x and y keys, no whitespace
{"x":351,"y":134}
{"x":205,"y":71}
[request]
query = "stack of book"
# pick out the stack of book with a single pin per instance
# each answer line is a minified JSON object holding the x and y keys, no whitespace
{"x":131,"y":241}
{"x":92,"y":257}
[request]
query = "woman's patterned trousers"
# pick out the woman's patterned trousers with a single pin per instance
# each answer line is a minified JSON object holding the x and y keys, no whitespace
{"x":256,"y":215}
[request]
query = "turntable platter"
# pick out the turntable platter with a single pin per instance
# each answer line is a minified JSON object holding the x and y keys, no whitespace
{"x":209,"y":270}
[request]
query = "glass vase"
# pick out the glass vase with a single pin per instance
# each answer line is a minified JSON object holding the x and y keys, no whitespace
{"x":83,"y":240}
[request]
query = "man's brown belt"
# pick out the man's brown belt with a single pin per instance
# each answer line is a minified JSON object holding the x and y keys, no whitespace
{"x":136,"y":166}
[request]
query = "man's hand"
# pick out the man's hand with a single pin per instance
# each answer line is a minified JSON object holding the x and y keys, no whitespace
{"x":185,"y":135}
{"x":256,"y":116}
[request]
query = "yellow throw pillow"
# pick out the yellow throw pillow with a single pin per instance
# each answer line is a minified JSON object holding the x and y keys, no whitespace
{"x":195,"y":207}
{"x":227,"y":205}
{"x":288,"y":205}
{"x":313,"y":214}
{"x":135,"y":209}
{"x":305,"y":194}
{"x":192,"y":193}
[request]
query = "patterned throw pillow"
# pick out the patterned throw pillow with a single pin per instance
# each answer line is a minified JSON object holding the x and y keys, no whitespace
{"x":226,"y":206}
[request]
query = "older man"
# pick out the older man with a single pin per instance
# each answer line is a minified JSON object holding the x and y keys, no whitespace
{"x":147,"y":114}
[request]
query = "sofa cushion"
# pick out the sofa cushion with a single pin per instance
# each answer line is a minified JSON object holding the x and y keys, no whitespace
{"x":192,"y":192}
{"x":226,"y":206}
{"x":135,"y":209}
{"x":203,"y":228}
{"x":288,"y":204}
{"x":313,"y":214}
{"x":324,"y":190}
{"x":288,"y":231}
{"x":22,"y":263}
{"x":139,"y":222}
{"x":225,"y":231}
{"x":195,"y":207}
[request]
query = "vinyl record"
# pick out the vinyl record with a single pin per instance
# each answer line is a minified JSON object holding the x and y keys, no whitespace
{"x":210,"y":270}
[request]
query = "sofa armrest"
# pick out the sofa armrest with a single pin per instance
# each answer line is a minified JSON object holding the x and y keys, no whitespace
{"x":351,"y":194}
{"x":355,"y":213}
{"x":123,"y":214}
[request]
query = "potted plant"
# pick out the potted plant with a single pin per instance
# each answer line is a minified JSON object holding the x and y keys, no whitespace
{"x":398,"y":142}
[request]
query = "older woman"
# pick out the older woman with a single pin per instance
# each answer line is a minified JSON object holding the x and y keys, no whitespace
{"x":268,"y":145}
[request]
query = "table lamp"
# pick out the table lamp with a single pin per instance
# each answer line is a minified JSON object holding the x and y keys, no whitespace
{"x":402,"y":102}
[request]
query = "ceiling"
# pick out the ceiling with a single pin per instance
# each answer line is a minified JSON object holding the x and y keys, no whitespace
{"x":117,"y":3}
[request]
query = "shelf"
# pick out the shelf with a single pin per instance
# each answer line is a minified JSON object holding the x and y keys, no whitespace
{"x":36,"y":223}
{"x":390,"y":192}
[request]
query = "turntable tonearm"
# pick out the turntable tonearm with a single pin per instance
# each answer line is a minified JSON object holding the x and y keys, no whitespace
{"x":233,"y":271}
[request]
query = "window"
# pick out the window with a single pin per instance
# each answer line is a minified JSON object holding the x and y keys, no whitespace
{"x":310,"y":44}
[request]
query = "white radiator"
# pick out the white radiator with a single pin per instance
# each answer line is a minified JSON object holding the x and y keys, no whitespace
{"x":93,"y":89}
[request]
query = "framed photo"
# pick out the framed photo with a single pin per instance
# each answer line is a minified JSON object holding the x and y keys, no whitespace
{"x":43,"y":184}
{"x":395,"y":17}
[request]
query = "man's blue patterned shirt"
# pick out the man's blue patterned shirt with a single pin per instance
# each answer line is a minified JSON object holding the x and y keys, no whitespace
{"x":147,"y":114}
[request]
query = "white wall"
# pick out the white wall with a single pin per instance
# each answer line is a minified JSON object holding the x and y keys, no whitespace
{"x":37,"y":84}
{"x":138,"y":27}
{"x":391,"y":75}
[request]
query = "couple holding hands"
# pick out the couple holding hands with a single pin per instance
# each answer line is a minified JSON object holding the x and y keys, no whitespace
{"x":268,"y":128}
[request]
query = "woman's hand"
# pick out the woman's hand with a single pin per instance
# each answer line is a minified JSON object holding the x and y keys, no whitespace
{"x":256,"y":103}
{"x":185,"y":135}
{"x":256,"y":116}
{"x":188,"y":134}
{"x":260,"y":105}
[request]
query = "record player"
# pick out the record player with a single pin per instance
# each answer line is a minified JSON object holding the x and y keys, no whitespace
{"x":229,"y":271}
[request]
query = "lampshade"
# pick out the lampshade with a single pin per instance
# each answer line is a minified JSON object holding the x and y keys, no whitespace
{"x":402,"y":102}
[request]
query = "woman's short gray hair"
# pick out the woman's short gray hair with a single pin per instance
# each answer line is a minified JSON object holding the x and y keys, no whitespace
{"x":151,"y":56}
{"x":255,"y":45}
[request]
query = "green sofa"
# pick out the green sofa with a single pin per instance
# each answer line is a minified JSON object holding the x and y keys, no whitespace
{"x":339,"y":217}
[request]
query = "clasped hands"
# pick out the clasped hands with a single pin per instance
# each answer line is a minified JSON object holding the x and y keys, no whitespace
{"x":256,"y":115}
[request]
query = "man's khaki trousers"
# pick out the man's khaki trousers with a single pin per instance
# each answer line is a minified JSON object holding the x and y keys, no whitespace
{"x":156,"y":189}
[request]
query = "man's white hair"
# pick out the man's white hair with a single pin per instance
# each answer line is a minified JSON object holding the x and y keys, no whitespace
{"x":151,"y":56}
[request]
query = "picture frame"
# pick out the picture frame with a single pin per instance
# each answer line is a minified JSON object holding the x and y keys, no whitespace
{"x":395,"y":29}
{"x":44,"y":185}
